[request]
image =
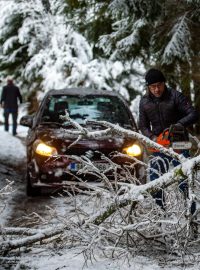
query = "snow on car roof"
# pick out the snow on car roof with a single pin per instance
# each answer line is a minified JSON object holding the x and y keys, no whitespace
{"x":83,"y":91}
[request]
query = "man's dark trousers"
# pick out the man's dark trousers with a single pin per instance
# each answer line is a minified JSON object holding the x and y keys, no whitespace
{"x":14,"y":113}
{"x":159,"y":165}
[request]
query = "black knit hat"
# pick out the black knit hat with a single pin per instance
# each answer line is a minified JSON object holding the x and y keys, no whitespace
{"x":153,"y":76}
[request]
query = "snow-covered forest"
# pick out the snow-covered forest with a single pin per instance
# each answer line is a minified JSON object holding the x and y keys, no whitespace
{"x":49,"y":44}
{"x":109,"y":45}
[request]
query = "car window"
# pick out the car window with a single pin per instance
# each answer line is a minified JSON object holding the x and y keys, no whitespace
{"x":105,"y":108}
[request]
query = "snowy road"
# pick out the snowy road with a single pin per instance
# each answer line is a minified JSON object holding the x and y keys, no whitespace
{"x":17,"y":209}
{"x":20,"y":210}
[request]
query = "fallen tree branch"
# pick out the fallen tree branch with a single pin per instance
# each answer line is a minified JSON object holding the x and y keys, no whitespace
{"x":136,"y":193}
{"x":113,"y":129}
{"x":40,"y":235}
{"x":18,"y":231}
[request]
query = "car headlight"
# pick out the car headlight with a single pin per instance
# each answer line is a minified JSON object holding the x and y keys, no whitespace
{"x":45,"y":150}
{"x":133,"y":150}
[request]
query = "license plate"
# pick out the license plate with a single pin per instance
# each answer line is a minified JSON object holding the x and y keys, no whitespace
{"x":181,"y":145}
{"x":78,"y":166}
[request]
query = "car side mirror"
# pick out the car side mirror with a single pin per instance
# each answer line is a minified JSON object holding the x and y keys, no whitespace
{"x":26,"y":120}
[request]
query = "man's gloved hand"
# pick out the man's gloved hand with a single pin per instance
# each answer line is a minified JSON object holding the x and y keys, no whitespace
{"x":178,"y":126}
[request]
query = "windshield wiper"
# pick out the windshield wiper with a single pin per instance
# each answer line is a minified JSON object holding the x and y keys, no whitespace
{"x":95,"y":125}
{"x":78,"y":115}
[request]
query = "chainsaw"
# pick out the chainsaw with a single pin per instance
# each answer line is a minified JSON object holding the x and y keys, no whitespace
{"x":174,"y":137}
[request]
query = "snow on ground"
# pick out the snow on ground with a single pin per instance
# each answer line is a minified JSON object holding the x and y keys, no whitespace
{"x":49,"y":258}
{"x":73,"y":260}
{"x":12,"y":149}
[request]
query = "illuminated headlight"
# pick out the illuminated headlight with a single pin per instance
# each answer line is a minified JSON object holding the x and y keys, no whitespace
{"x":45,"y":150}
{"x":133,"y":150}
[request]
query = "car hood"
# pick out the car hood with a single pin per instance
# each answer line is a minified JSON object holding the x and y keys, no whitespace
{"x":64,"y":142}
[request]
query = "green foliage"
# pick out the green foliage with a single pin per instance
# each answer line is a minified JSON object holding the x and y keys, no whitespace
{"x":179,"y":173}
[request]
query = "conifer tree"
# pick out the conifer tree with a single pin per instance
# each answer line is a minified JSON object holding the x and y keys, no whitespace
{"x":76,"y":38}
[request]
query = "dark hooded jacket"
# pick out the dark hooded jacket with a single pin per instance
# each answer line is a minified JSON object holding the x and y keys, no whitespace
{"x":10,"y":96}
{"x":157,"y":114}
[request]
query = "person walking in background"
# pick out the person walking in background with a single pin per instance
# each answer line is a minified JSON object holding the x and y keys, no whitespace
{"x":160,"y":108}
{"x":9,"y":102}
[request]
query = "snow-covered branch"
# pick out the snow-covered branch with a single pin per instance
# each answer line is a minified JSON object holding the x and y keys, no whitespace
{"x":34,"y":237}
{"x":127,"y":195}
{"x":122,"y":213}
{"x":113,"y":129}
{"x":135,"y":193}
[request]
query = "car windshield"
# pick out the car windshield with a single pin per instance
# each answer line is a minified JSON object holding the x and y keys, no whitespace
{"x":100,"y":108}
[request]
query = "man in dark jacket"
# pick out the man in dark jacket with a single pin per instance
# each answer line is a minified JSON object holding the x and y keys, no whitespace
{"x":9,"y":101}
{"x":159,"y":108}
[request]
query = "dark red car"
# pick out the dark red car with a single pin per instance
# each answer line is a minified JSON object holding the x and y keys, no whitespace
{"x":51,"y":156}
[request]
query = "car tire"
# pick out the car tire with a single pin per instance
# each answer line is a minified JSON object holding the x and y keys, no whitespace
{"x":30,"y":190}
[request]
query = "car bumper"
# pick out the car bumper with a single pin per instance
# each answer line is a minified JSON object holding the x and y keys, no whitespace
{"x":62,"y":171}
